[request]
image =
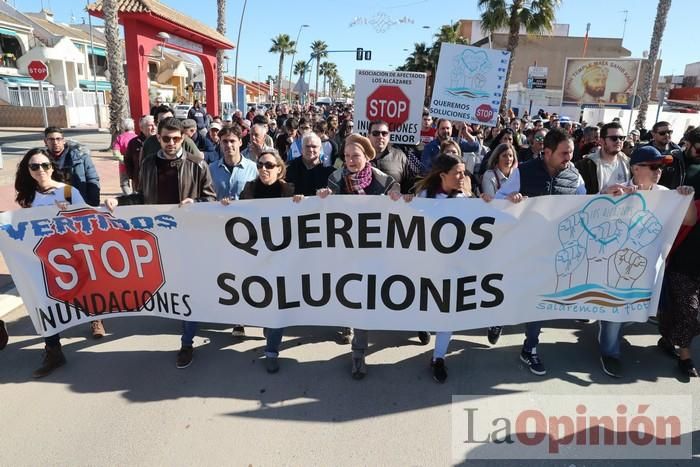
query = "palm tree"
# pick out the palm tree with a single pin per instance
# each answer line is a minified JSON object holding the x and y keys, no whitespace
{"x":327,"y":69}
{"x":649,"y":65}
{"x":300,"y":68}
{"x":420,"y":58}
{"x":318,"y":50}
{"x":220,"y":27}
{"x":115,"y":65}
{"x":448,"y":33}
{"x":536,"y":17}
{"x":282,"y":44}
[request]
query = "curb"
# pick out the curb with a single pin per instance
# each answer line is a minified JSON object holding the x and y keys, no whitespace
{"x":10,"y":301}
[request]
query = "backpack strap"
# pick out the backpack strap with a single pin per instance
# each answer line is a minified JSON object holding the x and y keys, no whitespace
{"x":67,"y":193}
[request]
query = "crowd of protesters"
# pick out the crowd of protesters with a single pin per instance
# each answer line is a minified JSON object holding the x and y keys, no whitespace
{"x":296,"y":151}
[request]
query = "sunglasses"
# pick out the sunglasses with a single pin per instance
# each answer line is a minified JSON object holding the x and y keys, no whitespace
{"x":664,"y":133}
{"x":174,"y":139}
{"x":376,"y":133}
{"x":653,"y":167}
{"x":616,"y":138}
{"x":44,"y":165}
{"x":267,"y":165}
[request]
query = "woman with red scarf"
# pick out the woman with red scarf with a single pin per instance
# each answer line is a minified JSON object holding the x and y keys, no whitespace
{"x":358,"y":177}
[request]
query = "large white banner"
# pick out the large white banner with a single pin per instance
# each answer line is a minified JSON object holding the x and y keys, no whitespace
{"x":395,"y":97}
{"x":358,"y":261}
{"x":469,"y":83}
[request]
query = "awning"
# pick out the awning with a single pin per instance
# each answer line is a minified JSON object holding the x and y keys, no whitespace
{"x":23,"y":81}
{"x":89,"y":85}
{"x":99,"y":51}
{"x":7,"y":32}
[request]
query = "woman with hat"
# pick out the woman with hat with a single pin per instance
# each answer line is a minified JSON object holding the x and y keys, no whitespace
{"x":678,"y":322}
{"x":358,"y":177}
{"x":269,"y":183}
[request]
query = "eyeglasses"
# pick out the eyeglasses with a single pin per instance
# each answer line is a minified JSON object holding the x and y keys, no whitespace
{"x":304,"y":128}
{"x":54,"y":140}
{"x":377,"y":133}
{"x":539,"y":139}
{"x":664,"y":133}
{"x":44,"y":165}
{"x":653,"y":167}
{"x":267,"y":165}
{"x":174,"y":139}
{"x":616,"y":137}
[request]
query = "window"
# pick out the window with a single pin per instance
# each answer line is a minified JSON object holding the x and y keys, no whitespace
{"x":10,"y":50}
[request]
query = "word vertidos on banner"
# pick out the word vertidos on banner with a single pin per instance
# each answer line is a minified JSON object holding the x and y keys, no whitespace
{"x":366,"y":228}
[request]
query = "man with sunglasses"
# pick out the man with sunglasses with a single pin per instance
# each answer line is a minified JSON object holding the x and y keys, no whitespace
{"x":390,"y":160}
{"x":673,"y":174}
{"x":173,"y":176}
{"x":608,"y":166}
{"x":536,"y":147}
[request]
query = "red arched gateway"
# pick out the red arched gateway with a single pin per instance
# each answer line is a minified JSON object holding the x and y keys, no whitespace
{"x":142,"y":21}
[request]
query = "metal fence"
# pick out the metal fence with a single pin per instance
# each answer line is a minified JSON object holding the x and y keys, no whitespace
{"x":30,"y":97}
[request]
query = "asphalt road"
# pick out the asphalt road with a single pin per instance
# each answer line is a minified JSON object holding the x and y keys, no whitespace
{"x":121,"y":401}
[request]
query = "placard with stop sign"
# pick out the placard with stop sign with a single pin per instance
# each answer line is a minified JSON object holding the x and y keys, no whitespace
{"x":107,"y":270}
{"x":395,"y":97}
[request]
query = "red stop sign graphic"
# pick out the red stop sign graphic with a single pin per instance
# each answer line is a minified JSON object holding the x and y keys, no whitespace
{"x":388,"y":103}
{"x":484,"y":113}
{"x":107,"y":270}
{"x":38,"y":70}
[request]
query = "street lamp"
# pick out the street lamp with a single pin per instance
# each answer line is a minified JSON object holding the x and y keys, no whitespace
{"x":291,"y":65}
{"x":235,"y":66}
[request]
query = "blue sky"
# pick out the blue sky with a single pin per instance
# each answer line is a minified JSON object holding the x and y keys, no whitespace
{"x":330,"y":21}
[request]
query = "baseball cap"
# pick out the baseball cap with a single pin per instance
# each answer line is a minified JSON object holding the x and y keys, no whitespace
{"x":216,"y":125}
{"x":647,"y":154}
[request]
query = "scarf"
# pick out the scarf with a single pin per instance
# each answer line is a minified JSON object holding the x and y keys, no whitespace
{"x":356,"y":182}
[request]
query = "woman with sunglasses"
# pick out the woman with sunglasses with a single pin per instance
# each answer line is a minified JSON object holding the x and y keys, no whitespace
{"x":269,"y":183}
{"x":678,"y":322}
{"x":37,"y":183}
{"x":358,"y":177}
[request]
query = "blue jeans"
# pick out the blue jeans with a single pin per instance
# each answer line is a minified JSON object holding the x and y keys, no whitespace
{"x":442,"y":341}
{"x":609,"y":337}
{"x":532,"y":335}
{"x":273,"y":340}
{"x":189,"y":330}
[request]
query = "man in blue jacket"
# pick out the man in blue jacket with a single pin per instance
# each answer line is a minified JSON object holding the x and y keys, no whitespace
{"x":73,"y":160}
{"x":444,"y":132}
{"x":78,"y":170}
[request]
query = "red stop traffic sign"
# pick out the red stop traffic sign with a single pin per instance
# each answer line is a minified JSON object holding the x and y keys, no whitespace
{"x":390,"y":104}
{"x":38,"y":70}
{"x":107,"y":270}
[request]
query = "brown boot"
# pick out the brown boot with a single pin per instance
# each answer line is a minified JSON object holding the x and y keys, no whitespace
{"x":53,"y":358}
{"x":98,"y":330}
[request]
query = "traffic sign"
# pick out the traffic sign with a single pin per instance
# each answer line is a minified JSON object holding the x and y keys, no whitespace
{"x":388,"y":103}
{"x":197,"y":86}
{"x":38,"y":70}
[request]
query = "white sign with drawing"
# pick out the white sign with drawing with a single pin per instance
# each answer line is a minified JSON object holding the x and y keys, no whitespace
{"x":469,"y":83}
